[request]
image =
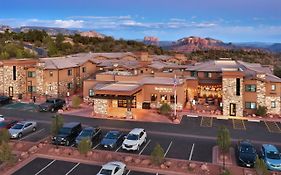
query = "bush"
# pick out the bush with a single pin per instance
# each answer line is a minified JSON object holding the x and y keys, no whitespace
{"x":261,"y":167}
{"x":157,"y":155}
{"x":57,"y":123}
{"x":84,"y":146}
{"x":225,"y":172}
{"x":76,"y":101}
{"x":4,"y":136}
{"x":6,"y":153}
{"x":223,"y":139}
{"x":165,"y":109}
{"x":261,"y":111}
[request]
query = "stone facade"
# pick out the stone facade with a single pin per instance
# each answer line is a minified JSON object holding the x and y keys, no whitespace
{"x":229,"y":96}
{"x":268,"y":101}
{"x":261,"y":93}
{"x":100,"y":106}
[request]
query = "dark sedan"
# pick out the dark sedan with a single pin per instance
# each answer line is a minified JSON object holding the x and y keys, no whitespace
{"x":112,"y":139}
{"x":5,"y":100}
{"x":246,"y":154}
{"x":7,"y":124}
{"x":89,"y":133}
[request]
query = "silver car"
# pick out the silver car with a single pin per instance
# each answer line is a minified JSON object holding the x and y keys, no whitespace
{"x":22,"y":128}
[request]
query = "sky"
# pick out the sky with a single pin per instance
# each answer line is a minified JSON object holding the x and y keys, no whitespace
{"x":169,"y":20}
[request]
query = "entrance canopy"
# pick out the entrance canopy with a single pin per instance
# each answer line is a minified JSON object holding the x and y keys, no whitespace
{"x":120,"y":88}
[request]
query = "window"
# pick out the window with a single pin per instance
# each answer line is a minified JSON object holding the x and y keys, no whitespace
{"x":50,"y":87}
{"x":194,"y":74}
{"x":207,"y":74}
{"x":31,"y":74}
{"x":14,"y":73}
{"x":250,"y":105}
{"x":238,"y":86}
{"x":51,"y":73}
{"x":153,"y":97}
{"x":172,"y":99}
{"x":250,"y":88}
{"x":273,"y":87}
{"x":69,"y":72}
{"x":273,"y":104}
{"x":164,"y":98}
{"x":69,"y":85}
{"x":31,"y":89}
{"x":141,"y":71}
{"x":83,"y":69}
{"x":91,"y":93}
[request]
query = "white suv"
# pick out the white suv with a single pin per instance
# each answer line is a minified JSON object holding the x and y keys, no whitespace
{"x":134,"y":139}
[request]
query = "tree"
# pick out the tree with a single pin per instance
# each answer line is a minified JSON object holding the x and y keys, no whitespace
{"x":76,"y":101}
{"x":57,"y":123}
{"x":157,"y":155}
{"x":261,"y":167}
{"x":223,"y":141}
{"x":261,"y":111}
{"x":4,"y":136}
{"x":6,"y":153}
{"x":84,"y":146}
{"x":165,"y":109}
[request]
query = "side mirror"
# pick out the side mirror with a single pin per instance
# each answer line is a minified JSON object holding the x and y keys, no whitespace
{"x":125,"y":137}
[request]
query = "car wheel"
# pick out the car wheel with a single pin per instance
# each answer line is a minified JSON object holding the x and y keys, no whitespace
{"x":67,"y":143}
{"x":20,"y":135}
{"x":53,"y":110}
{"x":138,"y":148}
{"x":33,"y":129}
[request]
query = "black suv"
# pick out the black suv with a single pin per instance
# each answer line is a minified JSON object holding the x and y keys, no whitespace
{"x":67,"y":134}
{"x":246,"y":154}
{"x":52,"y":104}
{"x":5,"y":100}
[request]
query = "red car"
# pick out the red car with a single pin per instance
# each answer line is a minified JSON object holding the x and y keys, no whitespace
{"x":7,"y":124}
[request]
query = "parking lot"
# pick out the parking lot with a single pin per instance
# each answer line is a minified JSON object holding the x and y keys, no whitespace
{"x":21,"y":106}
{"x":44,"y":166}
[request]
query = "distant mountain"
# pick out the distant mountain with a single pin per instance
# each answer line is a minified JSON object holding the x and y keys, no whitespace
{"x":49,"y":30}
{"x":92,"y":34}
{"x":151,"y":40}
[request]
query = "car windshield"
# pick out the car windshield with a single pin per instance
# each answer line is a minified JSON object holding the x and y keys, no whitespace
{"x":111,"y":135}
{"x":17,"y":126}
{"x":50,"y":101}
{"x":65,"y":130}
{"x":86,"y":133}
{"x":106,"y":172}
{"x":132,"y":137}
{"x":247,"y":149}
{"x":273,"y":155}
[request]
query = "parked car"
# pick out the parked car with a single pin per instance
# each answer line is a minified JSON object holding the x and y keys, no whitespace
{"x":246,"y":154}
{"x":67,"y":134}
{"x":7,"y":123}
{"x":112,"y":139}
{"x":22,"y":128}
{"x":52,"y":105}
{"x":113,"y":168}
{"x":134,"y":139}
{"x":271,"y":157}
{"x":89,"y":133}
{"x":5,"y":100}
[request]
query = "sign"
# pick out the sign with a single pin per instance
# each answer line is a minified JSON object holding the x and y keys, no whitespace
{"x":163,"y":89}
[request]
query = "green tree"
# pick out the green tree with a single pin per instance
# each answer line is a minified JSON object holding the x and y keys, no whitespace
{"x":4,"y":55}
{"x":76,"y":101}
{"x":165,"y":109}
{"x":261,"y":167}
{"x":57,"y":123}
{"x":84,"y":146}
{"x":223,"y":141}
{"x":261,"y":111}
{"x":157,"y":155}
{"x":4,"y":136}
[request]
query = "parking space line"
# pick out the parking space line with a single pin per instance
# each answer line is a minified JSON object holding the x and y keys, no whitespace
{"x":206,"y":122}
{"x":144,"y":146}
{"x":168,"y":148}
{"x":36,"y":132}
{"x":128,"y":172}
{"x":72,"y":168}
{"x":238,"y":124}
{"x":272,"y":127}
{"x":96,"y":146}
{"x":45,"y":167}
{"x":191,"y":152}
{"x":118,"y":148}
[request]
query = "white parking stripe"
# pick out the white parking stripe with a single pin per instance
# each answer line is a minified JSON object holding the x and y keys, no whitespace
{"x":144,"y":146}
{"x":96,"y":146}
{"x":45,"y":167}
{"x":128,"y":172}
{"x":168,"y":148}
{"x":72,"y":169}
{"x":36,"y":132}
{"x":118,"y":148}
{"x":191,"y":152}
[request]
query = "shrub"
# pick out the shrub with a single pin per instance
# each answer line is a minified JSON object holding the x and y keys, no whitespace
{"x":261,"y":167}
{"x":76,"y":101}
{"x":157,"y":155}
{"x":6,"y":153}
{"x":225,"y":172}
{"x":84,"y":146}
{"x":4,"y":136}
{"x":165,"y":109}
{"x":261,"y":111}
{"x":223,"y":139}
{"x":57,"y":123}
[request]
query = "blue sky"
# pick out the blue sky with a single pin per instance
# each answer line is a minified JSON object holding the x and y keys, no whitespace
{"x":227,"y":20}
